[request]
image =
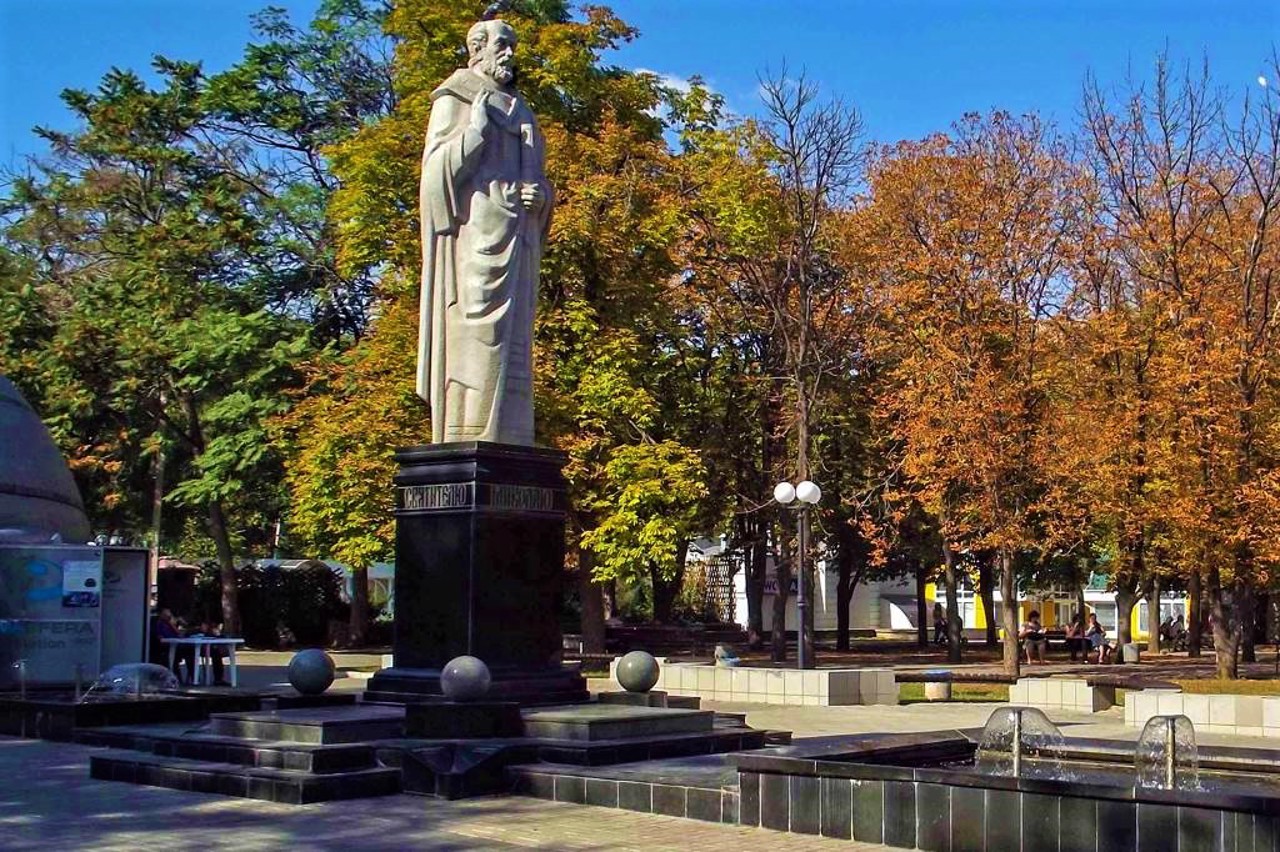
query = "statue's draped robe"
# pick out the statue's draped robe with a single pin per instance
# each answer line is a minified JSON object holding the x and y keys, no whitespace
{"x":481,"y":250}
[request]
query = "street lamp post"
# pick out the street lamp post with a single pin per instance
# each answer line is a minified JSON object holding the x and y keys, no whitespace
{"x":808,"y":494}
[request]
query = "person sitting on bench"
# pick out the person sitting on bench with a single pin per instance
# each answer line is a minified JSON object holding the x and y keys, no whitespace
{"x":165,"y":627}
{"x":1098,"y":639}
{"x":1033,"y":638}
{"x":1076,"y":641}
{"x":212,"y":654}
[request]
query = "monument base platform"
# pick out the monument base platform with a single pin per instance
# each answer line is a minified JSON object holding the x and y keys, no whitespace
{"x":449,"y":720}
{"x":596,"y":722}
{"x":401,"y":685}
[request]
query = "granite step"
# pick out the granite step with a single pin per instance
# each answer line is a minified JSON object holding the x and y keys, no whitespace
{"x":199,"y":744}
{"x":321,"y":726}
{"x":631,"y":749}
{"x":229,"y":779}
{"x":299,"y":757}
{"x":594,"y":722}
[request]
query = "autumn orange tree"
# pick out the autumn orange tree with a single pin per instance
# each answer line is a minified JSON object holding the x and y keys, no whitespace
{"x":1189,"y":204}
{"x":966,"y":240}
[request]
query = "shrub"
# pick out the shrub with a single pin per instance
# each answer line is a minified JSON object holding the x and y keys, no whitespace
{"x":279,"y":607}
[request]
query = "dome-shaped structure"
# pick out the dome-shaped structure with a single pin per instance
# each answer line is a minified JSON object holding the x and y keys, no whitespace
{"x":38,"y":497}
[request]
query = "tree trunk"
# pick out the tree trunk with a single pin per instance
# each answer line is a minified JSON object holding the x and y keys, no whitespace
{"x":778,"y":629}
{"x":664,"y":592}
{"x":1247,"y":617}
{"x":226,"y":569}
{"x":922,"y":605}
{"x":217,"y":522}
{"x":1009,"y":596}
{"x":358,"y":622}
{"x":986,"y":591}
{"x":591,"y":595}
{"x":1224,"y":638}
{"x":953,"y":604}
{"x":1153,"y":616}
{"x":1126,"y":599}
{"x":1195,"y":615}
{"x":757,"y":560}
{"x":844,"y":585}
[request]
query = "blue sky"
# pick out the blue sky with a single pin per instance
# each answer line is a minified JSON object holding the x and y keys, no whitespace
{"x":911,"y":66}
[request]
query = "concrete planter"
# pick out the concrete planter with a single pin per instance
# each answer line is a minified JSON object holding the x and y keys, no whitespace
{"x":1242,"y":715}
{"x":1062,"y":694}
{"x":813,"y":687}
{"x":937,"y":690}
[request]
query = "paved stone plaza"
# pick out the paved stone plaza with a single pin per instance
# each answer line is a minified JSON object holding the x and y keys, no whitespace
{"x":49,"y":802}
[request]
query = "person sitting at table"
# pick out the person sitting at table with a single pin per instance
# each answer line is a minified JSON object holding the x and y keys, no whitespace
{"x":1098,"y":639}
{"x":213,"y":653}
{"x":166,"y":628}
{"x":1076,"y":642}
{"x":1033,"y":638}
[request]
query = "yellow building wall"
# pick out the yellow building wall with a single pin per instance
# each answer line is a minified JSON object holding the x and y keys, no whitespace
{"x":933,"y":593}
{"x":1048,"y":612}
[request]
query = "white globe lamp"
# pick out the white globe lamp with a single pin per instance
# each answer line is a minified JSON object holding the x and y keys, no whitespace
{"x":808,"y":492}
{"x":784,"y":493}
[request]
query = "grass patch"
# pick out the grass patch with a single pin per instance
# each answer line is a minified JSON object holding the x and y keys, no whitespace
{"x":911,"y":693}
{"x":1231,"y":687}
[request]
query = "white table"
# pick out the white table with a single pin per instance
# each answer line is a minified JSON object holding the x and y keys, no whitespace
{"x":201,"y":644}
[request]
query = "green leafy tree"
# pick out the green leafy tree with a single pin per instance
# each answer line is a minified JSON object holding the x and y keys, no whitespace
{"x":147,"y":255}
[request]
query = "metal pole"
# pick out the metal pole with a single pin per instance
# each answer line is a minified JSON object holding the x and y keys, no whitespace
{"x":1170,"y":758}
{"x":802,"y":600}
{"x":1017,"y":743}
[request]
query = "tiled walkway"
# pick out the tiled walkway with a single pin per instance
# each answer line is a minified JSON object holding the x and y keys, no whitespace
{"x":47,"y":801}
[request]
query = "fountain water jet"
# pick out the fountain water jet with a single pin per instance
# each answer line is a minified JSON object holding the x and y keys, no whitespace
{"x":1166,"y":757}
{"x":131,"y":680}
{"x":1012,"y":732}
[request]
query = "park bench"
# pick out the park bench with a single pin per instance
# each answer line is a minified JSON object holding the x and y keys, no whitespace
{"x":951,"y":676}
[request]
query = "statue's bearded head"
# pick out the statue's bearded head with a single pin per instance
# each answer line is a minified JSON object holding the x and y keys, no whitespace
{"x":492,"y":46}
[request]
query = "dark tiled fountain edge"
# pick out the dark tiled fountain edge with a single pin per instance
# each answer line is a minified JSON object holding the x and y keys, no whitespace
{"x":585,"y":787}
{"x":844,"y":792}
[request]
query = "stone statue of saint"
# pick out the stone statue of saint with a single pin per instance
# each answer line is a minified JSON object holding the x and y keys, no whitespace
{"x":486,"y":208}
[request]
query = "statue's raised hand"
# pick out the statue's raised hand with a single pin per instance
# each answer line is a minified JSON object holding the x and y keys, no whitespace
{"x":480,"y":111}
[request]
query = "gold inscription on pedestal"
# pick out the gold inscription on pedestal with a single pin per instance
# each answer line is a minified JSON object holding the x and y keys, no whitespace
{"x":426,"y":498}
{"x":468,"y":495}
{"x":522,"y":498}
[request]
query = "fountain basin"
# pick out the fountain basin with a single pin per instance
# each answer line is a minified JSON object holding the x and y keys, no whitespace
{"x":922,"y":791}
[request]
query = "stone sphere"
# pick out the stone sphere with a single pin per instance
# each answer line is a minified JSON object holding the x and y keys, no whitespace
{"x":638,"y":671}
{"x":311,"y":671}
{"x":465,"y":678}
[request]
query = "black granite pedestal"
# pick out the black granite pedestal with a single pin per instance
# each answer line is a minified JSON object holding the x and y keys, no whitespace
{"x":479,"y":571}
